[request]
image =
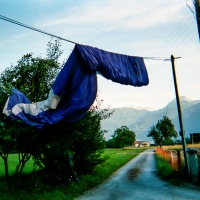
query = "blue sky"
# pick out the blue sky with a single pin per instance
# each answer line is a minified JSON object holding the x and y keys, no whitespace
{"x":142,"y":28}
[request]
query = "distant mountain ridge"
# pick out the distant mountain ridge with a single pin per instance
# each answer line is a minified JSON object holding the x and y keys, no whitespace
{"x":140,"y":121}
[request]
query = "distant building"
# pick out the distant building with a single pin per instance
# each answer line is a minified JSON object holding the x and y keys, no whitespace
{"x":141,"y":144}
{"x":195,"y":138}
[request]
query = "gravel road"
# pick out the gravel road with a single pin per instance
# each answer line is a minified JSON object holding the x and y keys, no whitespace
{"x":138,"y":180}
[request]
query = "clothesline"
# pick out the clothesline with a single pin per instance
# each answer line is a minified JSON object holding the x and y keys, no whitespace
{"x":60,"y":38}
{"x":161,"y":58}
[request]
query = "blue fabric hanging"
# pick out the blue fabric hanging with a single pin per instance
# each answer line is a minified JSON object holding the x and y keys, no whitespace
{"x":75,"y":88}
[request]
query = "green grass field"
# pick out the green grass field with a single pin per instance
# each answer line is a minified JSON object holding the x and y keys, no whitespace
{"x":115,"y":158}
{"x":12,"y":163}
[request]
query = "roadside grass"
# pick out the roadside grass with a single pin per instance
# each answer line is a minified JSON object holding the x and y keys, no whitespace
{"x":167,"y":172}
{"x":114,"y":159}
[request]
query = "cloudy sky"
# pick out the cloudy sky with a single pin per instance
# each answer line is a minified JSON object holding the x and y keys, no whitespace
{"x":140,"y":28}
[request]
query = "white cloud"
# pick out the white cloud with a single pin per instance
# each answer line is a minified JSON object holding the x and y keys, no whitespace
{"x":109,"y":15}
{"x":121,"y":27}
{"x":195,"y":86}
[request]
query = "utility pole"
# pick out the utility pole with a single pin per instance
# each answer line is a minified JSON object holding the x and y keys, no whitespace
{"x":197,"y":8}
{"x":180,"y":116}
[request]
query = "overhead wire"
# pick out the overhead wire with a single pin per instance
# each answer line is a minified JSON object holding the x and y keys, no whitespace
{"x":181,"y":41}
{"x":181,"y":34}
{"x":166,"y":43}
{"x":193,"y":12}
{"x":52,"y":35}
{"x":190,"y":39}
{"x":60,"y":38}
{"x":175,"y":36}
{"x":178,"y":34}
{"x":33,"y":28}
{"x":172,"y":36}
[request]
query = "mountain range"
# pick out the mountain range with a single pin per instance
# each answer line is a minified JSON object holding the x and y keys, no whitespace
{"x":141,"y":120}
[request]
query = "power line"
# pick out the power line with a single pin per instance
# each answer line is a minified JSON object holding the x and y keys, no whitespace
{"x":176,"y":38}
{"x":172,"y":36}
{"x":190,"y":38}
{"x":33,"y":28}
{"x":183,"y":39}
{"x":60,"y":38}
{"x":193,"y":12}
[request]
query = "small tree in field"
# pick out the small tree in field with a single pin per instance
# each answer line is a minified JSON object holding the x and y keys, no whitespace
{"x":6,"y":141}
{"x":162,"y":131}
{"x":122,"y":137}
{"x":34,"y":77}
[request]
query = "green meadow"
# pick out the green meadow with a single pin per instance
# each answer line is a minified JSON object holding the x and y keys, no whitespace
{"x":114,"y":159}
{"x":12,"y":163}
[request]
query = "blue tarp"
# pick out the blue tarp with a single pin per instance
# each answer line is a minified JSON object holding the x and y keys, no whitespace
{"x":75,"y":88}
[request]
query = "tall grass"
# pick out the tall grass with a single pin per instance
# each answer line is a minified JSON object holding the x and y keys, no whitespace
{"x":167,"y":172}
{"x":180,"y":146}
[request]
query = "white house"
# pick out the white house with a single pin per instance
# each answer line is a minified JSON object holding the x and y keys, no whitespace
{"x":141,"y":144}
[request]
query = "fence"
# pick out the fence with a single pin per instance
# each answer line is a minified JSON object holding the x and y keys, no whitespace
{"x":175,"y":157}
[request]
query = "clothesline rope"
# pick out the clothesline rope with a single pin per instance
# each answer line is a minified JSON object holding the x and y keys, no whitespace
{"x":157,"y":58}
{"x":60,"y":38}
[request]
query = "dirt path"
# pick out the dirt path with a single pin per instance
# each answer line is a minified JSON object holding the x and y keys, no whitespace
{"x":138,"y":180}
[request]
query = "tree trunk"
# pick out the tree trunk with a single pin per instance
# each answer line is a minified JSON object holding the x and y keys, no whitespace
{"x":5,"y":160}
{"x":6,"y":167}
{"x":25,"y":158}
{"x":160,"y":144}
{"x":22,"y":161}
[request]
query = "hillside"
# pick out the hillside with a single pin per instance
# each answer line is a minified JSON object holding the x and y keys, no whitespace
{"x":140,"y":121}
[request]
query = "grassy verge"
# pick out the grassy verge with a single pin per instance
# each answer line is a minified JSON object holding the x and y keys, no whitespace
{"x":166,"y":172}
{"x":114,"y":159}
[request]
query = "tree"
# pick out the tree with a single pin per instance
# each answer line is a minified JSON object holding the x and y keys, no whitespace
{"x":6,"y":142}
{"x":59,"y":149}
{"x":34,"y":77}
{"x":122,"y":137}
{"x":88,"y":143}
{"x":163,"y":131}
{"x":75,"y":148}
